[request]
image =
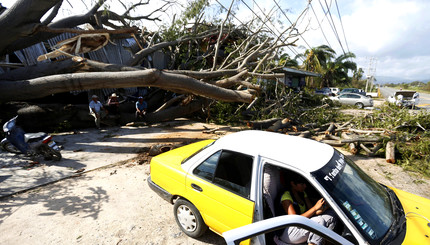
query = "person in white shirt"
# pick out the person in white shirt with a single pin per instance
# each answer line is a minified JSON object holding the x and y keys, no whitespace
{"x":97,"y":110}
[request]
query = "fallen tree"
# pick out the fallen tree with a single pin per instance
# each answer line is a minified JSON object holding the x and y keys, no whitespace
{"x":44,"y":86}
{"x":216,"y":61}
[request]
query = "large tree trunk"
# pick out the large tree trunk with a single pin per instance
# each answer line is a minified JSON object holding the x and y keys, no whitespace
{"x":21,"y":20}
{"x":175,"y":112}
{"x":75,"y":64}
{"x":44,"y":86}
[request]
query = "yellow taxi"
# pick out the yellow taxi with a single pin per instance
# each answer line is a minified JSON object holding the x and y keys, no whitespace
{"x":237,"y":180}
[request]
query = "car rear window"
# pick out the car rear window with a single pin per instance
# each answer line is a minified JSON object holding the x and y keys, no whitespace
{"x":229,"y":170}
{"x":197,"y":152}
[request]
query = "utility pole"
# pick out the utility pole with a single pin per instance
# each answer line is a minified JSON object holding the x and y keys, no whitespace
{"x":371,"y":73}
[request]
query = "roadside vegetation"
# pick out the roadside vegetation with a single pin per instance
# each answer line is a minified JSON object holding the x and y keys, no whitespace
{"x":409,"y":132}
{"x":305,"y":114}
{"x":416,"y":85}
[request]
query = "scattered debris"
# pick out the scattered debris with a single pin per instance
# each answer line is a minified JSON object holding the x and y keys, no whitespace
{"x":400,"y":135}
{"x":80,"y":170}
{"x":158,"y":149}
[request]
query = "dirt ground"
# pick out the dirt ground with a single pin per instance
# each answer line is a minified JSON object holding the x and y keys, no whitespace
{"x":114,"y":205}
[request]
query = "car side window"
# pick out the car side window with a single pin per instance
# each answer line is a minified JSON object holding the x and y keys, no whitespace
{"x":355,"y":96}
{"x":206,"y":169}
{"x":228,"y":169}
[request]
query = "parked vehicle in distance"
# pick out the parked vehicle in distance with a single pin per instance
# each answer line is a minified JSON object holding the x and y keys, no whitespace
{"x":358,"y":100}
{"x":334,"y":91}
{"x":235,"y":181}
{"x":353,"y":90}
{"x":323,"y":91}
{"x":402,"y":98}
{"x":373,"y":94}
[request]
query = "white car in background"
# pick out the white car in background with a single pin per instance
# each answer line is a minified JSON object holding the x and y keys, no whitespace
{"x":408,"y":99}
{"x":334,"y":91}
{"x":357,"y":100}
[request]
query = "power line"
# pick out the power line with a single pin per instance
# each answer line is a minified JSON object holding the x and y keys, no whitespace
{"x":231,"y":14}
{"x":295,"y":52}
{"x":282,"y":11}
{"x":341,"y":24}
{"x":320,"y":26}
{"x":280,"y":33}
{"x":332,"y":24}
{"x":292,"y":50}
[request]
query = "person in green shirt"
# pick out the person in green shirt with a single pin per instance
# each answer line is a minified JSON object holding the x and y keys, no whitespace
{"x":295,"y":201}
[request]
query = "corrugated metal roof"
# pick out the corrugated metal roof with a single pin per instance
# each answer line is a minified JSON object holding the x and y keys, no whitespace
{"x":28,"y":56}
{"x":293,"y":71}
{"x":113,"y":53}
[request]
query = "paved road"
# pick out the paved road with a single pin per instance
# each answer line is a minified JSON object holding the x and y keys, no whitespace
{"x":424,"y":98}
{"x":91,"y":149}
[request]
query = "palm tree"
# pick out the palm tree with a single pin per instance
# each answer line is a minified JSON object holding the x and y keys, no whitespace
{"x":337,"y":70}
{"x":316,"y":60}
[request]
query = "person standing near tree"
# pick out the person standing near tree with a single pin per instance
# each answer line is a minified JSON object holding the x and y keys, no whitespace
{"x":113,"y":104}
{"x":97,"y":110}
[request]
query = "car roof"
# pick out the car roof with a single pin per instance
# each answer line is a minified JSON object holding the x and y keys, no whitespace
{"x":355,"y":94}
{"x":304,"y":154}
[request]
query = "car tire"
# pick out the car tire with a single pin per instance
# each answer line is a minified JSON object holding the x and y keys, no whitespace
{"x":359,"y":105}
{"x":189,"y":219}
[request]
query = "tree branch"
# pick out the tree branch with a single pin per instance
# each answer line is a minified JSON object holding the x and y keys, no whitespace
{"x":220,"y":35}
{"x":53,"y":13}
{"x":77,"y":31}
{"x":139,"y":56}
{"x":44,"y":86}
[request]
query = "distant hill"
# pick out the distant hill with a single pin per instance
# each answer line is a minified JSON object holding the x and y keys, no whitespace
{"x":385,"y":79}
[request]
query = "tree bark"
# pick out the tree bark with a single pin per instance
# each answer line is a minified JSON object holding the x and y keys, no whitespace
{"x":75,"y":64}
{"x":351,"y":146}
{"x":21,"y":20}
{"x":390,"y":152}
{"x":263,"y":124}
{"x":44,"y":86}
{"x":175,"y":112}
{"x":21,"y":31}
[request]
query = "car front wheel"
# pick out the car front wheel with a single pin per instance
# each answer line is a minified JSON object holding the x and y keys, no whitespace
{"x":189,"y":219}
{"x":359,"y":105}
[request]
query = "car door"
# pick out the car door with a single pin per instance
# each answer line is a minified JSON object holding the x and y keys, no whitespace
{"x":220,"y":188}
{"x":344,"y":99}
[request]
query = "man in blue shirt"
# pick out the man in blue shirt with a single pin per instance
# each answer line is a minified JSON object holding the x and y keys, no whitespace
{"x":141,"y":107}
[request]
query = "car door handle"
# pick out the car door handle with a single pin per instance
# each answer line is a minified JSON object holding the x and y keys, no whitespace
{"x":196,"y":187}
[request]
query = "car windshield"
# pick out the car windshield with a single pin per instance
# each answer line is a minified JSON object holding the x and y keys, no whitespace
{"x":364,"y":201}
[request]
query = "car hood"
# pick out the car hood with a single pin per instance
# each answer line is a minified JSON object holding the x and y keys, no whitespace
{"x":417,"y":211}
{"x":405,"y":93}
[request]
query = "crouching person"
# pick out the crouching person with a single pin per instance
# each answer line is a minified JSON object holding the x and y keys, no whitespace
{"x":141,"y":107}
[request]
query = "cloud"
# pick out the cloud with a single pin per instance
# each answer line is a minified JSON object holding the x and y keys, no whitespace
{"x":393,"y":31}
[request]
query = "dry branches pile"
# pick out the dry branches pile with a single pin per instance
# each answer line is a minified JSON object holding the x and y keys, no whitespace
{"x":398,"y":135}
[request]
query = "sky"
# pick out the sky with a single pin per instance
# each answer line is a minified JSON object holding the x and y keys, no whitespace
{"x":390,"y":36}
